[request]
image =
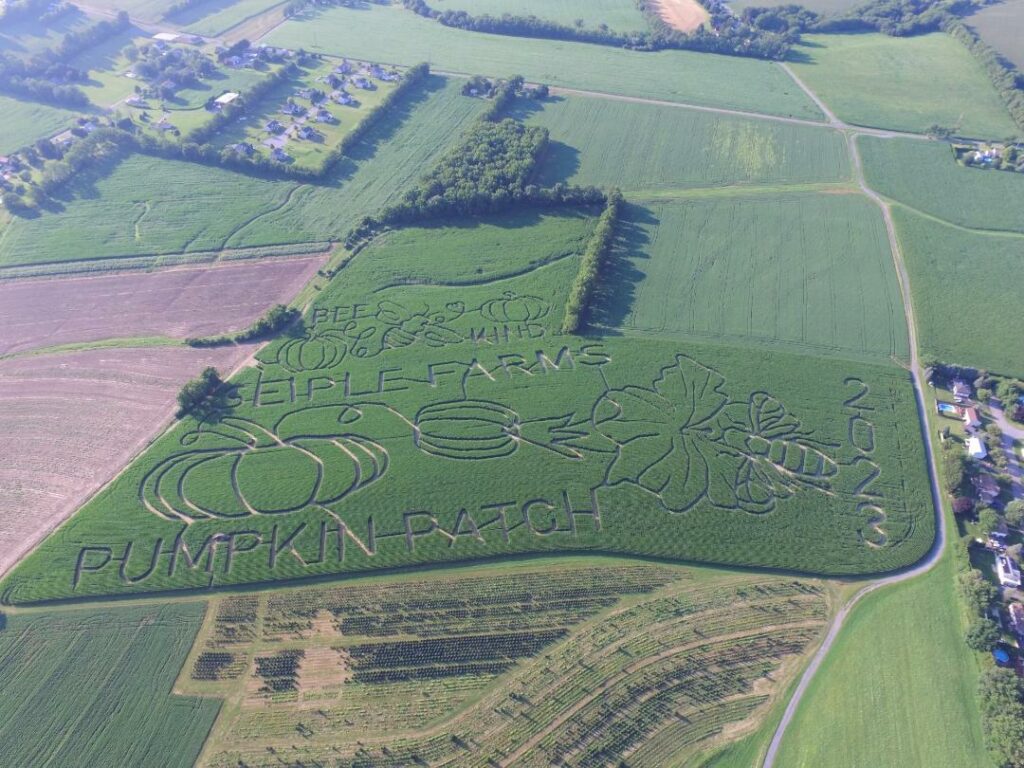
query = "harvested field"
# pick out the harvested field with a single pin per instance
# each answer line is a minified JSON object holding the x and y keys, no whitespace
{"x":190,"y":301}
{"x":684,"y":15}
{"x":70,"y":422}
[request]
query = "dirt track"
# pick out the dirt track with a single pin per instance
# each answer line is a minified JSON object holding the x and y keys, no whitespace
{"x":70,"y":422}
{"x":181,"y":302}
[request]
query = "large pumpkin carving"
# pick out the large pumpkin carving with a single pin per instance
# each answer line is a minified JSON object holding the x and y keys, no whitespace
{"x":238,"y":468}
{"x":467,"y":429}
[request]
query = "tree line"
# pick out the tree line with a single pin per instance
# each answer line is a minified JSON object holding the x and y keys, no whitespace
{"x":271,"y":323}
{"x":593,"y":257}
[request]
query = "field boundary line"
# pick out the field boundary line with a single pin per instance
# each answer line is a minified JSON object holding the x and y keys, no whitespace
{"x":932,"y":558}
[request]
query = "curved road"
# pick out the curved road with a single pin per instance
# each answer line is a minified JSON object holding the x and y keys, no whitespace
{"x":938,"y":546}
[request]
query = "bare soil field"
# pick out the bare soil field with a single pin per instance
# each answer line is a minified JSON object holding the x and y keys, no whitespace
{"x":70,"y":422}
{"x":684,"y":15}
{"x":189,"y":301}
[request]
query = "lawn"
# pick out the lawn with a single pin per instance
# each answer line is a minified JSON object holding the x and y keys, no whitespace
{"x":966,"y":291}
{"x":453,"y":421}
{"x":107,"y":84}
{"x":1001,"y":25}
{"x":619,"y":15}
{"x":897,"y":689}
{"x":147,"y":205}
{"x":26,"y":121}
{"x":905,"y":83}
{"x":926,"y":177}
{"x":312,"y":153}
{"x":648,"y":147}
{"x":808,"y":271}
{"x":392,"y":34}
{"x":94,"y":688}
{"x":213,"y":17}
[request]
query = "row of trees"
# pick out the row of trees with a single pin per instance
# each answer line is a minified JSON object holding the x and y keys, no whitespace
{"x":274,"y":321}
{"x":728,"y":35}
{"x":590,"y":264}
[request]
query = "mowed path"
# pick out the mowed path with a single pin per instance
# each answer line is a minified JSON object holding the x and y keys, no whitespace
{"x":70,"y":422}
{"x":178,"y":302}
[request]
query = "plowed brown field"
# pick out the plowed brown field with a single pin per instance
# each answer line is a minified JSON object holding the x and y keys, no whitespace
{"x":187,"y":301}
{"x":70,"y":422}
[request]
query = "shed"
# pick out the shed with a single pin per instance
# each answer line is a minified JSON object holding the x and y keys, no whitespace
{"x":225,"y":98}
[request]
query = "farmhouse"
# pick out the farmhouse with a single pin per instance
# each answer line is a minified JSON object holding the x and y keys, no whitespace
{"x":225,"y":98}
{"x":1007,"y":571}
{"x":976,"y":449}
{"x":986,"y":487}
{"x":961,"y":392}
{"x":971,"y":420}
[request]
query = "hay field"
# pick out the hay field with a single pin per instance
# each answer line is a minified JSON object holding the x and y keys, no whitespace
{"x":649,"y":147}
{"x":214,"y":17}
{"x":966,"y":292}
{"x":26,"y":121}
{"x":393,"y":35}
{"x":94,"y":688}
{"x":925,"y":176}
{"x":804,"y":270}
{"x":905,"y":83}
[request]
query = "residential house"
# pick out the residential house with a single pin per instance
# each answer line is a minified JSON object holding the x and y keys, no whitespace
{"x":279,"y":155}
{"x":274,"y":126}
{"x":976,"y":448}
{"x":135,"y":101}
{"x":971,"y":420}
{"x":293,"y":109}
{"x":304,"y":93}
{"x":345,"y":68}
{"x":961,"y":392}
{"x":361,"y":82}
{"x":986,"y":487}
{"x":308,"y":132}
{"x":323,"y":116}
{"x":343,"y":97}
{"x":243,"y":148}
{"x":1007,"y":571}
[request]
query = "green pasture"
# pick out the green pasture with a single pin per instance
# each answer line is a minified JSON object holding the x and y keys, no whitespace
{"x":392,"y":34}
{"x":26,"y":38}
{"x":1001,"y":25}
{"x":618,"y":15}
{"x":904,"y":83}
{"x":148,"y":205}
{"x":26,"y":121}
{"x":430,"y":411}
{"x":896,"y":689}
{"x":216,"y":16}
{"x":966,"y":291}
{"x":306,"y":153}
{"x":648,"y":147}
{"x":809,"y":271}
{"x":925,"y":176}
{"x":93,"y":687}
{"x":107,"y":83}
{"x":142,"y":10}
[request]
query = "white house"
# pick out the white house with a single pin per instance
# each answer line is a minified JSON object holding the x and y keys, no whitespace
{"x":1007,"y":571}
{"x":976,"y":448}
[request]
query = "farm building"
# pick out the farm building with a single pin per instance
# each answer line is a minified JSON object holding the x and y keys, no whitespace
{"x":166,"y":37}
{"x":976,"y":449}
{"x":961,"y":392}
{"x":1007,"y":571}
{"x":971,"y":419}
{"x":225,"y":98}
{"x":986,"y":487}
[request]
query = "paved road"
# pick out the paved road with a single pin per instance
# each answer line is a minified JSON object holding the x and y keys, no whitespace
{"x":939,"y":544}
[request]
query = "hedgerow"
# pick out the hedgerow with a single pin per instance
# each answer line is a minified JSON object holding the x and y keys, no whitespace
{"x":590,"y":263}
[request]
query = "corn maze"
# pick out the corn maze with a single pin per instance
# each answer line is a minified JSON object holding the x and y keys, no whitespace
{"x":444,"y":420}
{"x":572,"y":665}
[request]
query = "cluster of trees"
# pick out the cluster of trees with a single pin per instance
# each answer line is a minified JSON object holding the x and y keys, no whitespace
{"x":273,"y":321}
{"x":73,"y":43}
{"x":590,"y":264}
{"x":295,"y":7}
{"x":728,"y":35}
{"x":16,"y":10}
{"x":180,"y":66}
{"x":197,"y":396}
{"x":1001,"y":695}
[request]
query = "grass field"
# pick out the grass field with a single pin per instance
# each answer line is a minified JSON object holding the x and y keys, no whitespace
{"x":146,"y":205}
{"x":897,"y":688}
{"x":647,"y":147}
{"x":966,"y":292}
{"x":825,"y":7}
{"x":905,"y":83}
{"x":515,"y":661}
{"x":94,"y":688}
{"x":215,"y":16}
{"x":1001,"y":25}
{"x":26,"y":121}
{"x":925,"y":176}
{"x":143,"y":10}
{"x":619,"y":15}
{"x":26,"y":38}
{"x":806,"y":270}
{"x":451,"y":421}
{"x":394,"y":35}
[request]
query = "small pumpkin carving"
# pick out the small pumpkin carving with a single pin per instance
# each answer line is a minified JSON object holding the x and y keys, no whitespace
{"x":514,"y":308}
{"x":467,"y":429}
{"x":314,"y":352}
{"x":237,"y":468}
